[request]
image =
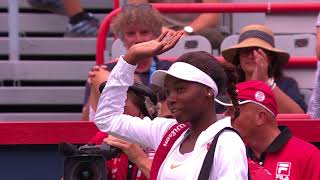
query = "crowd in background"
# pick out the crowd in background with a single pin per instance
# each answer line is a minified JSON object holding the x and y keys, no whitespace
{"x":245,"y":142}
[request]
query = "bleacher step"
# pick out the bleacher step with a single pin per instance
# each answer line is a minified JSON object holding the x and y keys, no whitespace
{"x":39,"y":23}
{"x":41,"y":95}
{"x":94,"y":4}
{"x":13,"y":117}
{"x":45,"y":70}
{"x":54,"y":46}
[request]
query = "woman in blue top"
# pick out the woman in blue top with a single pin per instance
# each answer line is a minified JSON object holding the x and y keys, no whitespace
{"x":256,"y":58}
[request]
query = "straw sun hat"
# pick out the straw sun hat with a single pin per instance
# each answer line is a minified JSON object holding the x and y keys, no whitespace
{"x":255,"y":36}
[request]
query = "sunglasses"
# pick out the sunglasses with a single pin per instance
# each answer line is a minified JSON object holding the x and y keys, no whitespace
{"x":244,"y":52}
{"x":141,"y":6}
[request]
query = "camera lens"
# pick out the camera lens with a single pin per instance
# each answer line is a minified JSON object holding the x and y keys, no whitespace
{"x":85,"y":166}
{"x":85,"y":171}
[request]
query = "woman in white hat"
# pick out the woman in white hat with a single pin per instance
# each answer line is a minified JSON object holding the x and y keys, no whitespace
{"x":256,"y":58}
{"x":191,"y":85}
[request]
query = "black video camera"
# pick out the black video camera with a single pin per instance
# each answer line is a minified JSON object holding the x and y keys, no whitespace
{"x":86,"y":162}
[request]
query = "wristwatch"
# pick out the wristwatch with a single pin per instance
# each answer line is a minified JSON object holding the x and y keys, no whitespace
{"x":188,"y":29}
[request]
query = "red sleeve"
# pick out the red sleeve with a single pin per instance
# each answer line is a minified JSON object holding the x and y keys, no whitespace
{"x":312,"y":169}
{"x":118,"y":167}
{"x":98,"y":138}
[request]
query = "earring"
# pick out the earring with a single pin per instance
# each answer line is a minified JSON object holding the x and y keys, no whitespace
{"x":209,"y":94}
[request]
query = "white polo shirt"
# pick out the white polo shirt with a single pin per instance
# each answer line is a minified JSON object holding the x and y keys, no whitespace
{"x":230,"y":161}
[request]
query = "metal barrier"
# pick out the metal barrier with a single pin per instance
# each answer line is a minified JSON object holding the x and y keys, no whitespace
{"x":294,"y":62}
{"x":216,"y":7}
{"x":30,"y":133}
{"x":116,"y":4}
{"x":13,"y":133}
{"x":29,"y":150}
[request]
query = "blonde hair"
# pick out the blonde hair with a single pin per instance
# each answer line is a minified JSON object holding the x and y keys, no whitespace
{"x":144,"y":17}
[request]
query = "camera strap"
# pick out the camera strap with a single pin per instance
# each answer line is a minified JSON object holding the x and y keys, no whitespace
{"x":208,"y":160}
{"x":153,"y":68}
{"x":204,"y":174}
{"x":130,"y":171}
{"x":169,"y":139}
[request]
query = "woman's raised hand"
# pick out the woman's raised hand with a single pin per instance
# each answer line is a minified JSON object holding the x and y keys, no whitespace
{"x":152,"y":48}
{"x":261,"y":70}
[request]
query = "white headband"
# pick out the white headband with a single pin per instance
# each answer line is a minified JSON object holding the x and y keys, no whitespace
{"x":186,"y":72}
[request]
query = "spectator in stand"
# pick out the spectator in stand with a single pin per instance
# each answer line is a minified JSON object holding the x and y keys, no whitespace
{"x":256,"y":58}
{"x":314,"y":104}
{"x":135,"y":24}
{"x":273,"y":147}
{"x":318,"y":37}
{"x":190,"y":98}
{"x":205,"y":24}
{"x":81,"y":23}
{"x":133,"y":162}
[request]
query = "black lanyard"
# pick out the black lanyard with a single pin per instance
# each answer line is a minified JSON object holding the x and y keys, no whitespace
{"x":130,"y":171}
{"x":153,"y":68}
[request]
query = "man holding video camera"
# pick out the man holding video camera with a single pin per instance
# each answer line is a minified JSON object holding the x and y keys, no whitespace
{"x":133,"y":162}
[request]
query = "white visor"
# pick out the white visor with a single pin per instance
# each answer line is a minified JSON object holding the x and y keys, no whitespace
{"x":185,"y":72}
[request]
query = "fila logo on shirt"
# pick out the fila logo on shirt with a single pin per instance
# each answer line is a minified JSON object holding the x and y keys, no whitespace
{"x":283,"y":170}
